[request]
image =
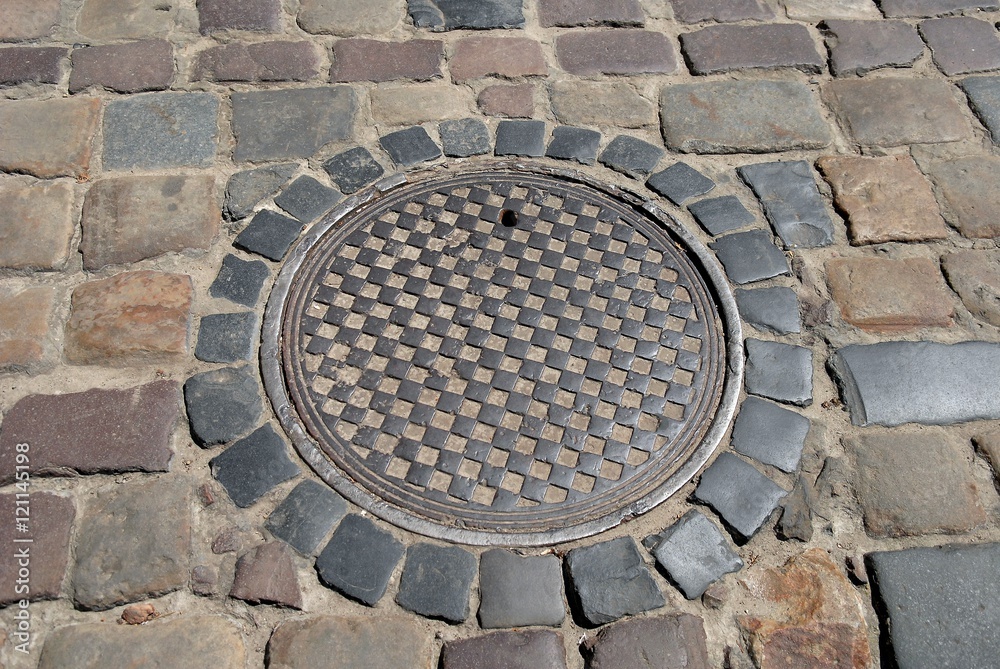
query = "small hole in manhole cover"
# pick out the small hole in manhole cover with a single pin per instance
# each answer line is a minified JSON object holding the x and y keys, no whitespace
{"x":493,"y":384}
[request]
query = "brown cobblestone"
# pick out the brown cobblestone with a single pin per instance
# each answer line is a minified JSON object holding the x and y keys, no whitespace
{"x":411,"y":105}
{"x":723,"y":11}
{"x":126,"y":68}
{"x":373,"y":60}
{"x":24,"y":326}
{"x":616,"y":52}
{"x":357,"y":643}
{"x":263,"y":61}
{"x":20,"y":20}
{"x":49,"y":526}
{"x":723,"y":48}
{"x":483,"y":56}
{"x":970,"y":194}
{"x":125,"y":19}
{"x":601,"y":103}
{"x":48,"y":138}
{"x":511,"y":101}
{"x":348,"y":18}
{"x":131,"y":318}
{"x":266,"y":575}
{"x":36,"y":224}
{"x":975,"y":276}
{"x":885,"y":199}
{"x":571,"y":13}
{"x":887,"y":295}
{"x":256,"y":15}
{"x":23,"y":64}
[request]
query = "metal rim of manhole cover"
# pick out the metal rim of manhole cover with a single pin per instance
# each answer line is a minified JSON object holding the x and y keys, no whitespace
{"x":505,"y":356}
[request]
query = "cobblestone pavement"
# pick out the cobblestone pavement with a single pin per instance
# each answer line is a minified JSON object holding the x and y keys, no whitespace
{"x":159,"y":160}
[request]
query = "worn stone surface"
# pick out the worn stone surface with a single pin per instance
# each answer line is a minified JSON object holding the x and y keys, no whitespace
{"x":462,"y":138}
{"x":520,"y":138}
{"x":349,"y":17}
{"x":128,"y":549}
{"x":127,"y":219}
{"x":695,"y":554}
{"x":107,"y":20}
{"x":177,"y":643}
{"x":975,"y":276}
{"x":781,"y":372}
{"x":750,"y":256}
{"x":457,"y":14}
{"x":741,"y":117}
{"x":385,"y":642}
{"x":239,"y":280}
{"x":245,"y":189}
{"x":679,"y":183}
{"x":157,"y":130}
{"x":269,"y":234}
{"x":675,"y":641}
{"x":896,"y":111}
{"x":252,"y":466}
{"x":93,"y":431}
{"x":27,"y":21}
{"x":796,"y":521}
{"x":770,"y":434}
{"x":413,"y":105}
{"x":306,"y":516}
{"x":36,"y":224}
{"x":353,"y":169}
{"x":277,"y":125}
{"x":266,"y":575}
{"x":359,"y":560}
{"x":610,"y":581}
{"x":204,"y":580}
{"x":600,"y":103}
{"x":518,"y":591}
{"x":131,"y":318}
{"x":988,"y":446}
{"x":227,"y":337}
{"x":631,"y":155}
{"x":410,"y":146}
{"x":916,"y":483}
{"x":885,"y":199}
{"x":20,"y":65}
{"x":48,"y":138}
{"x":962,"y":45}
{"x":721,"y":214}
{"x":372,"y":60}
{"x":482,"y":56}
{"x":570,"y":143}
{"x":723,"y":11}
{"x":254,"y":15}
{"x":822,"y":10}
{"x":307,"y":199}
{"x":921,"y":8}
{"x":939,"y":604}
{"x":723,"y":48}
{"x":772,"y":309}
{"x":743,"y":496}
{"x":918,"y":382}
{"x":792,"y":202}
{"x":858,"y":47}
{"x":888,"y":295}
{"x":622,"y":51}
{"x":261,"y":61}
{"x":970,"y":192}
{"x":517,"y":101}
{"x":436,"y":582}
{"x":24,"y":326}
{"x":535,"y":649}
{"x":49,"y":526}
{"x":134,"y":67}
{"x":574,"y":13}
{"x":984,"y":96}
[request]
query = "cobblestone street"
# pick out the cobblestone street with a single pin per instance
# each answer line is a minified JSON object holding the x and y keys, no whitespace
{"x":532,"y":334}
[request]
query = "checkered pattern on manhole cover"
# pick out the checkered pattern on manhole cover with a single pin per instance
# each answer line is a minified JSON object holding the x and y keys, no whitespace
{"x":503,"y":378}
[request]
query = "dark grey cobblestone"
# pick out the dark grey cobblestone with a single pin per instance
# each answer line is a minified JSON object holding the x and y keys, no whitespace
{"x":721,"y":214}
{"x":437,"y":581}
{"x":773,"y":309}
{"x":292,"y":123}
{"x":750,"y":256}
{"x":353,"y":169}
{"x":269,"y":234}
{"x":519,"y":591}
{"x":696,"y":11}
{"x":962,"y":45}
{"x":743,"y":496}
{"x":227,"y":337}
{"x":239,"y":280}
{"x":306,"y":516}
{"x":307,"y":199}
{"x":984,"y":96}
{"x":520,"y":138}
{"x":245,"y":189}
{"x":222,"y":404}
{"x":679,"y":183}
{"x":792,"y":202}
{"x":610,"y":581}
{"x":159,"y":130}
{"x":724,"y":48}
{"x":695,"y":554}
{"x":459,"y":14}
{"x":862,"y":46}
{"x":410,"y":146}
{"x":770,"y":434}
{"x":571,"y":143}
{"x":631,"y":156}
{"x":254,"y":465}
{"x":781,"y":372}
{"x":466,"y":137}
{"x":359,"y":560}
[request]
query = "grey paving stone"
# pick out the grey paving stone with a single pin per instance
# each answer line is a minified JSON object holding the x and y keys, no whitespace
{"x":610,"y":581}
{"x":696,"y":11}
{"x":307,"y":199}
{"x":962,"y":45}
{"x":984,"y":97}
{"x":520,"y":138}
{"x":436,"y":582}
{"x":464,"y":137}
{"x":742,"y":117}
{"x":750,"y":256}
{"x":245,"y":189}
{"x":781,"y":372}
{"x":676,"y":642}
{"x":158,"y":130}
{"x":695,"y":554}
{"x":796,"y":521}
{"x":773,"y":309}
{"x":239,"y":280}
{"x":940,"y":605}
{"x":631,"y":156}
{"x":571,"y":13}
{"x":770,"y":434}
{"x":721,"y":214}
{"x":571,"y":143}
{"x":679,"y":183}
{"x":743,"y":496}
{"x":410,"y":146}
{"x":290,"y":123}
{"x":460,"y":14}
{"x":222,"y":404}
{"x":353,"y":169}
{"x":226,"y":337}
{"x":534,"y":649}
{"x":724,"y":48}
{"x":269,"y":234}
{"x":359,"y":560}
{"x":519,"y":591}
{"x":920,"y":8}
{"x":892,"y":383}
{"x":252,"y":466}
{"x":861,"y":46}
{"x":791,"y":201}
{"x":306,"y":516}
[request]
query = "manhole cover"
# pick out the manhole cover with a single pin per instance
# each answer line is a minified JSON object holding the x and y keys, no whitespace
{"x":501,"y":357}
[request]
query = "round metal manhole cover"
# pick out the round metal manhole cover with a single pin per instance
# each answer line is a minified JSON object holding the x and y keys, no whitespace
{"x":501,"y":357}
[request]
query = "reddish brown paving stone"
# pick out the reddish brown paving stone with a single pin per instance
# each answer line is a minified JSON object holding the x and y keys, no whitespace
{"x":623,"y":51}
{"x":127,"y":219}
{"x":36,"y":224}
{"x":888,"y":295}
{"x":21,"y":64}
{"x":511,"y":101}
{"x":24,"y":326}
{"x":48,"y":138}
{"x":969,"y":189}
{"x":263,"y":61}
{"x":374,"y":60}
{"x":255,"y":15}
{"x":676,"y":641}
{"x":534,"y":649}
{"x":49,"y":526}
{"x":571,"y":13}
{"x":93,"y":431}
{"x":483,"y":56}
{"x":975,"y":276}
{"x":885,"y":199}
{"x":131,"y":318}
{"x":20,"y":20}
{"x":266,"y":575}
{"x":147,"y":65}
{"x":357,"y":643}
